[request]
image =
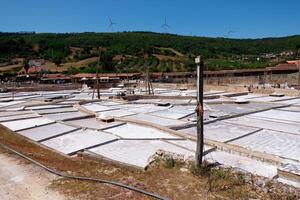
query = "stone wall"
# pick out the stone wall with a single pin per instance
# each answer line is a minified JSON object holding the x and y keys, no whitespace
{"x":291,"y":79}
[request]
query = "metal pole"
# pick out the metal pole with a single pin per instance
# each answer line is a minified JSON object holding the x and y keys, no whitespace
{"x":199,"y":110}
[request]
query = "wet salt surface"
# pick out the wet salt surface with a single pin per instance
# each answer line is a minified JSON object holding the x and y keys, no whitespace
{"x":272,"y":142}
{"x":45,"y":132}
{"x":78,"y":140}
{"x":280,"y":134}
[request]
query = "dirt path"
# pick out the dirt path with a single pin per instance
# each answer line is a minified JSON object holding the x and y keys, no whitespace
{"x":19,"y":180}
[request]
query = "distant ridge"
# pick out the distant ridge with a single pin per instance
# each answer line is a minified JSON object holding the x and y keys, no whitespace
{"x":133,"y":51}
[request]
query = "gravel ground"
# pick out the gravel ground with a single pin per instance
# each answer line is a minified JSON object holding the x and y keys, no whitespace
{"x":20,"y":180}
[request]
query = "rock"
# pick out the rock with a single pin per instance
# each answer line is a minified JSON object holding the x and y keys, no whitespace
{"x":265,"y":190}
{"x":260,"y":182}
{"x":248,"y":179}
{"x":184,"y":170}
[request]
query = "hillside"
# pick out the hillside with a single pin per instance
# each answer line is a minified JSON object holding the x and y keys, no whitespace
{"x":134,"y":51}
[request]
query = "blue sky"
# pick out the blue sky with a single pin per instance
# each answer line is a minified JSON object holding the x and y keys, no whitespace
{"x":213,"y":18}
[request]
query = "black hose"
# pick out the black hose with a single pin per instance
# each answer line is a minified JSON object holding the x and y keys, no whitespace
{"x":61,"y":174}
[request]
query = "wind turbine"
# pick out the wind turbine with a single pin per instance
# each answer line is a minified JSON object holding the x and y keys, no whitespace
{"x":229,"y":32}
{"x":165,"y":26}
{"x":111,"y":24}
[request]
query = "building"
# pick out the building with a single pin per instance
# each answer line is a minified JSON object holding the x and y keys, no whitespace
{"x":35,"y":67}
{"x":55,"y":78}
{"x":104,"y":77}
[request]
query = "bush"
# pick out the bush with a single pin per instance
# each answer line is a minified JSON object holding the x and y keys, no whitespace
{"x":197,"y":172}
{"x":169,"y":162}
{"x":224,"y":179}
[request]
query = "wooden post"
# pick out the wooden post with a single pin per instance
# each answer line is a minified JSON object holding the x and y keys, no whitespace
{"x":199,"y":110}
{"x":298,"y":65}
{"x":97,"y":75}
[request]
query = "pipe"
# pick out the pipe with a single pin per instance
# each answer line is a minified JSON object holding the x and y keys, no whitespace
{"x":61,"y":174}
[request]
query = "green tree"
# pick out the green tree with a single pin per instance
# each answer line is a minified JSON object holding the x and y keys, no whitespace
{"x":298,"y":50}
{"x":57,"y":62}
{"x":73,"y":70}
{"x":26,"y":65}
{"x":106,"y":61}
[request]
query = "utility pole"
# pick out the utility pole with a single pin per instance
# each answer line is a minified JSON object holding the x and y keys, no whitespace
{"x":52,"y":57}
{"x":97,"y":74}
{"x":96,"y":83}
{"x":199,"y":110}
{"x":148,"y":84}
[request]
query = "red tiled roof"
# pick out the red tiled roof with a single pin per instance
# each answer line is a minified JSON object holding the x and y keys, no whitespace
{"x":111,"y":75}
{"x":156,"y":74}
{"x":293,"y":61}
{"x":55,"y":76}
{"x":31,"y":70}
{"x":177,"y":73}
{"x":235,"y":71}
{"x":286,"y":65}
{"x":84,"y":75}
{"x":283,"y":68}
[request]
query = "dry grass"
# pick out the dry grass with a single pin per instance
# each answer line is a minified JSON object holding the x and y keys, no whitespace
{"x":81,"y":63}
{"x":164,"y":57}
{"x":11,"y":68}
{"x":164,"y":177}
{"x":52,"y":67}
{"x":173,"y":50}
{"x":64,"y":67}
